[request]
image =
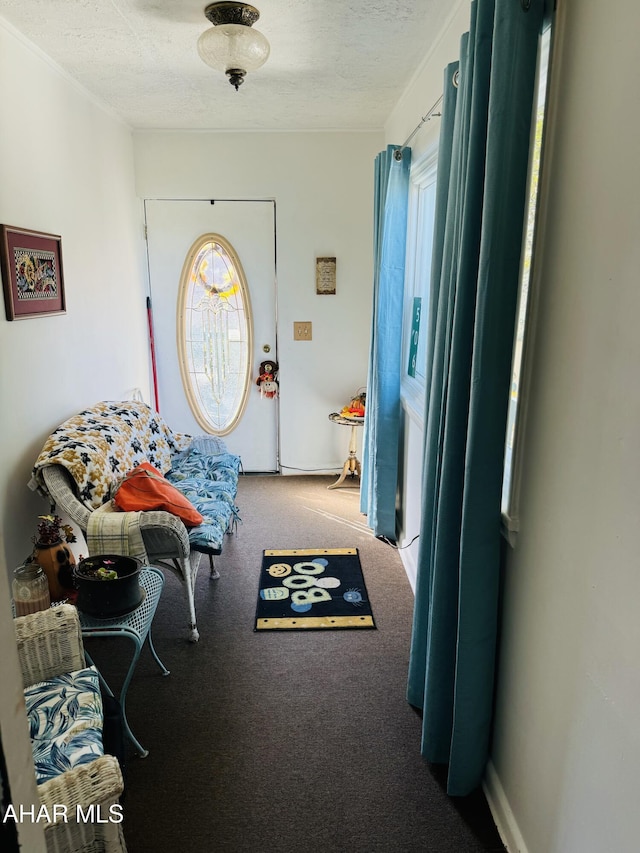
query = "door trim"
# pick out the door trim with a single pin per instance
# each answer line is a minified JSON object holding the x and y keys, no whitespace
{"x":272,"y":201}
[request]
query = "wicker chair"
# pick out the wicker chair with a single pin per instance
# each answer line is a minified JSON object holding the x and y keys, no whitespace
{"x":49,"y":644}
{"x":165,"y":537}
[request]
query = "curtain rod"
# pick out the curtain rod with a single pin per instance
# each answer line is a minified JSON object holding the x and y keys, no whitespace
{"x":425,"y":118}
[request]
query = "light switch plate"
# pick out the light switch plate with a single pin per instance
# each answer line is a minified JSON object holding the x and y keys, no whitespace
{"x":302,"y":331}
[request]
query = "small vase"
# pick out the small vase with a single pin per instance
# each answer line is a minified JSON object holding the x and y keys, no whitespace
{"x":58,"y":563}
{"x":30,"y":589}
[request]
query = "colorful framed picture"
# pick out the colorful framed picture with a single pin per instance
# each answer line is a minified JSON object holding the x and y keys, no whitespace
{"x":31,"y":267}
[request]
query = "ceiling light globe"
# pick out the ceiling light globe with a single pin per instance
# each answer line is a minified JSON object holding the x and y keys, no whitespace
{"x":231,"y":46}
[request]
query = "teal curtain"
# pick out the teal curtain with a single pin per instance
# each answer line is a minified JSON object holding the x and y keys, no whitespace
{"x":480,"y":207}
{"x":382,"y":413}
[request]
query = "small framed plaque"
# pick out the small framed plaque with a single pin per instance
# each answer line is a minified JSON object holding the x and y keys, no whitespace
{"x":325,"y":275}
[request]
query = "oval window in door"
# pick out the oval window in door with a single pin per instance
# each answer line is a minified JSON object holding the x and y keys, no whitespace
{"x":215,"y":334}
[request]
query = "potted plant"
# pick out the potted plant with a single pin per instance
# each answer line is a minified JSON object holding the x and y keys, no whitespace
{"x":52,"y":553}
{"x":108,"y":585}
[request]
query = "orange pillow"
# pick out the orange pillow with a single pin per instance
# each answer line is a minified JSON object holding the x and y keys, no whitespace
{"x":145,"y":488}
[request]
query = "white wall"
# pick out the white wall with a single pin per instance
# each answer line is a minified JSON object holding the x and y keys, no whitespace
{"x":426,"y":86}
{"x":65,"y":168}
{"x":323,"y":187}
{"x":565,"y":768}
{"x":567,"y":745}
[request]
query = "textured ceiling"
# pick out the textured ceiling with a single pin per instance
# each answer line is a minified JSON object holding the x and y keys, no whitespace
{"x":334,"y":64}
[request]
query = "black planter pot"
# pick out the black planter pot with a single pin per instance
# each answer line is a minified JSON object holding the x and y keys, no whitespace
{"x":105,"y":599}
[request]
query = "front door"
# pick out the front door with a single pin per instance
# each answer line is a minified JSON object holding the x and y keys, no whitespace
{"x":249,"y":227}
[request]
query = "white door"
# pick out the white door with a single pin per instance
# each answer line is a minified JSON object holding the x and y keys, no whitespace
{"x":249,"y":226}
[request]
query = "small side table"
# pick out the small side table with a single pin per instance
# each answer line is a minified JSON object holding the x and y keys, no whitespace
{"x":137,"y":627}
{"x":352,"y":465}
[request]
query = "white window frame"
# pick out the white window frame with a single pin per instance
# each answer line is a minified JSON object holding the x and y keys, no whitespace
{"x":423,"y":178}
{"x":526,"y":310}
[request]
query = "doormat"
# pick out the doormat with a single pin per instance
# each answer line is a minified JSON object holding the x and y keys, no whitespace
{"x":312,"y":588}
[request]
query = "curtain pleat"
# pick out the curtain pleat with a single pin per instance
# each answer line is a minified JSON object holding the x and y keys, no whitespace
{"x":382,"y":417}
{"x":475,"y":281}
{"x":381,"y":178}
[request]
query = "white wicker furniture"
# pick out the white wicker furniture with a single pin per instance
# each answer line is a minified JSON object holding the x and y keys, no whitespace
{"x":50,"y":643}
{"x":165,"y":537}
{"x":85,"y":458}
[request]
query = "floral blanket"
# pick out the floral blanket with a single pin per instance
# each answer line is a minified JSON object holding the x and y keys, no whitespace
{"x":99,"y":445}
{"x":102,"y":444}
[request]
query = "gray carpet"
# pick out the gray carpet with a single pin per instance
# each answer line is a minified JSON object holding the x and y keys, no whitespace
{"x":293,"y":741}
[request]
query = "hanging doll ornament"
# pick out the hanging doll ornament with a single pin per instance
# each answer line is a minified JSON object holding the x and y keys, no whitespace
{"x":267,"y":380}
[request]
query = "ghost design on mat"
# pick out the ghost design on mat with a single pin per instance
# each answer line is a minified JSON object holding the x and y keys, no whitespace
{"x":328,"y":583}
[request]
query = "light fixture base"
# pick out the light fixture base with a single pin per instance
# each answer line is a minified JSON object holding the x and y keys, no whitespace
{"x":236,"y":76}
{"x":231,"y":13}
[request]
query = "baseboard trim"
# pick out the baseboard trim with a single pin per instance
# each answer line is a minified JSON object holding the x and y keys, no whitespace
{"x":494,"y":792}
{"x":410,"y":566}
{"x":501,"y":811}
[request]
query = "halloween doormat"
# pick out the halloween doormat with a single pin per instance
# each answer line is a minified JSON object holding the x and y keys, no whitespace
{"x":312,"y":589}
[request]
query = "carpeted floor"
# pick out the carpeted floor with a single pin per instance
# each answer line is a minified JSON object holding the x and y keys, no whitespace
{"x":293,"y":741}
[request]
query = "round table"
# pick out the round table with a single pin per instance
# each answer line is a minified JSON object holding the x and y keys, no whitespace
{"x":352,"y":465}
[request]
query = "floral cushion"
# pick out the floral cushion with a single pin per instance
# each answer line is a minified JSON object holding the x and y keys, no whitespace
{"x":221,"y":466}
{"x":65,"y":722}
{"x":99,"y":445}
{"x":215,"y":501}
{"x":209,"y":480}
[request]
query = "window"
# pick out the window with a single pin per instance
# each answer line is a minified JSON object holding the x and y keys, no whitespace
{"x":510,"y":482}
{"x":214,"y":334}
{"x":422,"y":197}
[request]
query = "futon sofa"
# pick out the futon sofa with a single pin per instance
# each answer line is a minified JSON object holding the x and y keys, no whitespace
{"x":86,"y":458}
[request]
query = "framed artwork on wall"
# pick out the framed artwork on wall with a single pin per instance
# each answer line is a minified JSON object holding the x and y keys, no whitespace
{"x":31,"y":267}
{"x":326,"y":275}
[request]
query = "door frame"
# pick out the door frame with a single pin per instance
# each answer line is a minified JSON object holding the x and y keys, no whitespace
{"x":272,"y":201}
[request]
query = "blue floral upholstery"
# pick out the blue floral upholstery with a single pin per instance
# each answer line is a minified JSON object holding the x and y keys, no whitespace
{"x":65,"y":722}
{"x":210,"y":482}
{"x":221,"y":467}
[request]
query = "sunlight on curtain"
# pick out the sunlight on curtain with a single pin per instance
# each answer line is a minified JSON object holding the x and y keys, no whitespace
{"x":382,"y":419}
{"x":482,"y":174}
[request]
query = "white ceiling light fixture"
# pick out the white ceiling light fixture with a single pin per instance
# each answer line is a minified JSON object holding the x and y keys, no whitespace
{"x":232,"y":45}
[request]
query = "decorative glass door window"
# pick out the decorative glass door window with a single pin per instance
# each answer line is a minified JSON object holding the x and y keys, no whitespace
{"x":215,"y":334}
